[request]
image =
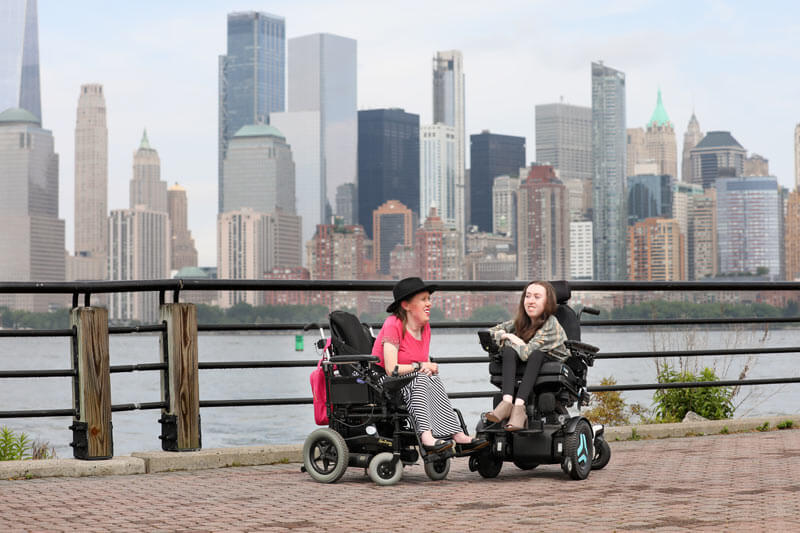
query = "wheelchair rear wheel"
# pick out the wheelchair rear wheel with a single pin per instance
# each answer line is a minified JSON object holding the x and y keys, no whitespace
{"x":578,"y":452}
{"x":383,"y":470}
{"x":325,"y":455}
{"x":438,"y":469}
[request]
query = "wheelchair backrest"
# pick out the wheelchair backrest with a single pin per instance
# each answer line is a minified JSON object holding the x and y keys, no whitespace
{"x":349,"y":335}
{"x":564,"y":314}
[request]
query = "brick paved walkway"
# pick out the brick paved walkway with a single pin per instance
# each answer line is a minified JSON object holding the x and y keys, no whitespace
{"x":737,"y":482}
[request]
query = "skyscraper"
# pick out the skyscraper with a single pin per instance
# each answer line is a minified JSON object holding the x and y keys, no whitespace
{"x":388,"y":161}
{"x":19,"y":57}
{"x":649,"y":196}
{"x":91,"y":184}
{"x":32,"y":236}
{"x":347,"y":203}
{"x":392,"y":224}
{"x":692,"y":136}
{"x":702,"y":247}
{"x":792,"y":236}
{"x":491,"y":155}
{"x":656,"y":250}
{"x":660,"y":141}
{"x":608,"y":184}
{"x":543,"y":250}
{"x":251,"y":76}
{"x":505,"y":191}
{"x":564,"y":139}
{"x":437,"y":177}
{"x":448,"y":109}
{"x":139,"y":249}
{"x":749,"y":225}
{"x":718,"y":154}
{"x":797,"y":156}
{"x":184,"y":253}
{"x":146,"y":187}
{"x":242,"y":243}
{"x":323,"y":79}
{"x":258,"y":171}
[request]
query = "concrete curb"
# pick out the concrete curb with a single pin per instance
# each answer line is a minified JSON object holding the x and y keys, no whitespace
{"x":691,"y":429}
{"x":158,"y":461}
{"x":71,"y":468}
{"x":220,"y":457}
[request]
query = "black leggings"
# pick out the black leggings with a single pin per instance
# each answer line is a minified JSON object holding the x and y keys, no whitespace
{"x":510,"y":361}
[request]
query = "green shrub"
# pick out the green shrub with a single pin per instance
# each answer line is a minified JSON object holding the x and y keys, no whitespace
{"x":786,"y":424}
{"x":671,"y":405}
{"x":763,"y":427}
{"x":13,"y":447}
{"x":608,"y":407}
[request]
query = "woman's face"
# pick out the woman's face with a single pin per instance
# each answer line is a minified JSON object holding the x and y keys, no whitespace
{"x":535,"y":300}
{"x":419,"y":307}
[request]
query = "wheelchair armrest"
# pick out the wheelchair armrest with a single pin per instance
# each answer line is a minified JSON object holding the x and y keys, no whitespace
{"x":487,"y":342}
{"x":392,"y":384}
{"x":353,"y":359}
{"x":584,"y":351}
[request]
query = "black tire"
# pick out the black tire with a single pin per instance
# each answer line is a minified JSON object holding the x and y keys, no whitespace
{"x":325,"y":455}
{"x":382,"y":471}
{"x":578,"y":451}
{"x":602,"y":453}
{"x":525,"y":465}
{"x":488,"y":465}
{"x":437,"y":470}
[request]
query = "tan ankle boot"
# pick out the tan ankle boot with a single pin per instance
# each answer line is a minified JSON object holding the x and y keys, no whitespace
{"x":500,"y":412}
{"x":518,"y":419}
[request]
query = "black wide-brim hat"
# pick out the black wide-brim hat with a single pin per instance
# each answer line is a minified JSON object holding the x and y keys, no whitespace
{"x":405,"y":289}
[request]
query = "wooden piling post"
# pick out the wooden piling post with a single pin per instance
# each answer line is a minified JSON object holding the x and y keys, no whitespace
{"x":180,"y":420}
{"x":91,"y":393}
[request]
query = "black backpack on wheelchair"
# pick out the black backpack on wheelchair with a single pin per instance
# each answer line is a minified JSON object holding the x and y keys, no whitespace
{"x":552,"y":435}
{"x":368,"y":423}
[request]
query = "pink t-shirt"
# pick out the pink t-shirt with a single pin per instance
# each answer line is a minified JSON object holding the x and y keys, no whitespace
{"x":409,"y":348}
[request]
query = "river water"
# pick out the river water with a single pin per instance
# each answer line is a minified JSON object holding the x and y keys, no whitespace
{"x":239,"y":426}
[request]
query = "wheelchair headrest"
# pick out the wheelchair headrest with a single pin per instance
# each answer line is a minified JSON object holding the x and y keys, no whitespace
{"x":563,"y":291}
{"x":348,"y":329}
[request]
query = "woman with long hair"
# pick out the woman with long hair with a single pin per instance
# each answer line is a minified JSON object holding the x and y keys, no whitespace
{"x":533,"y":334}
{"x":402,"y":345}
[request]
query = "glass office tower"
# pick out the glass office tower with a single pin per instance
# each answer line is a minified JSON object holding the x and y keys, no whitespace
{"x":608,"y":186}
{"x":252,"y":79}
{"x":19,"y":57}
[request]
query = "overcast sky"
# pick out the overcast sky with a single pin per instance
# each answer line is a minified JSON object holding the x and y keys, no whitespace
{"x":736,"y":64}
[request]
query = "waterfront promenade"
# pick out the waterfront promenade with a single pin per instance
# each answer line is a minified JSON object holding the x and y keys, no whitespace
{"x":737,"y":482}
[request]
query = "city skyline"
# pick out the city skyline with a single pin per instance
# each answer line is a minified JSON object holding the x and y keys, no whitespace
{"x":172,"y":90}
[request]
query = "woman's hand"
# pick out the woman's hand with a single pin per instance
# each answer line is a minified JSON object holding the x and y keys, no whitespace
{"x":513,"y":339}
{"x":428,"y":368}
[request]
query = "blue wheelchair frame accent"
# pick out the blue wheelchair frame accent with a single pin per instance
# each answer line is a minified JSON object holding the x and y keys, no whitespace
{"x":582,"y":449}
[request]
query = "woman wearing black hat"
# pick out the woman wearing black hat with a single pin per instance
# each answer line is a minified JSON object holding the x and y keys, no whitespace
{"x":403,"y":344}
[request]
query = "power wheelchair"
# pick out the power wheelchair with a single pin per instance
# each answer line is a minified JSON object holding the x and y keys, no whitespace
{"x":369,"y":425}
{"x":552,"y":435}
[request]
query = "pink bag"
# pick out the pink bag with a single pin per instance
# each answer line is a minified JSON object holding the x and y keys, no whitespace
{"x":319,"y":392}
{"x":320,"y":395}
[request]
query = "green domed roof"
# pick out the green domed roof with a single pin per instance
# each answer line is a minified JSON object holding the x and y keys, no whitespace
{"x":660,"y":117}
{"x":191,"y":272}
{"x":15,"y":114}
{"x":259,"y":130}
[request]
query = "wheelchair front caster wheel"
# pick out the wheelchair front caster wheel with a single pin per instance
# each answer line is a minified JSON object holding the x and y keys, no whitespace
{"x":383,"y":470}
{"x":602,"y":453}
{"x":438,"y":469}
{"x":325,"y":455}
{"x":487,"y":465}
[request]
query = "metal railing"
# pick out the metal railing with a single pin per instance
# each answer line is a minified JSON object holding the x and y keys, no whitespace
{"x":82,"y":292}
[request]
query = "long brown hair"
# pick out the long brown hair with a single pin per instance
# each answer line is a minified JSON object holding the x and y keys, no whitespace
{"x":526,"y":328}
{"x":402,"y":315}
